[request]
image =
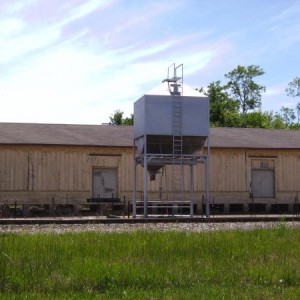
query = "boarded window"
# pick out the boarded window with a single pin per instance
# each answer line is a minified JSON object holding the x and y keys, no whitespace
{"x":104,"y":183}
{"x":262,"y":183}
{"x":263,"y":164}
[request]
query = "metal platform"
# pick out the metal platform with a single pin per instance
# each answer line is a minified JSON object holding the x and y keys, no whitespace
{"x":147,"y":160}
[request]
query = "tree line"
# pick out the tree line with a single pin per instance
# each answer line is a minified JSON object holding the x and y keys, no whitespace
{"x":238,"y":102}
{"x":117,"y":118}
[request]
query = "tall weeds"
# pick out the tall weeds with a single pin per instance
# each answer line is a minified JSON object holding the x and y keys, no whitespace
{"x":265,"y":263}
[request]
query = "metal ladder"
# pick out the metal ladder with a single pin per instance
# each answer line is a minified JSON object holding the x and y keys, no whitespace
{"x":175,"y":85}
{"x":178,"y":183}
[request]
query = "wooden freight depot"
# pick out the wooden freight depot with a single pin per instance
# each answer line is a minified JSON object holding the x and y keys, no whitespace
{"x":65,"y":165}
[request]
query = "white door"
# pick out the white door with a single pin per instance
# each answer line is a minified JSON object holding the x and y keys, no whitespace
{"x":263,"y":183}
{"x":104,"y":183}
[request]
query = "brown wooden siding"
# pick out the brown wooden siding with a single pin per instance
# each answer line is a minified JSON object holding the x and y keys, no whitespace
{"x":47,"y":172}
{"x":227,"y":170}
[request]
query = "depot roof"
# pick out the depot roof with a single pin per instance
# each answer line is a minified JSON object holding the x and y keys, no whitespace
{"x":122,"y":136}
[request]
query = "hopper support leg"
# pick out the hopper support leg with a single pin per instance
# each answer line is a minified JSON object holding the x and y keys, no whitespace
{"x":134,"y":183}
{"x":192,"y":191}
{"x":145,"y":179}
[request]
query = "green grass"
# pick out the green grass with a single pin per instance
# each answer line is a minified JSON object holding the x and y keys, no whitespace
{"x":259,"y":264}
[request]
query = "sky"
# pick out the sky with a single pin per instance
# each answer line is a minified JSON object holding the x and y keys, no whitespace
{"x":78,"y":61}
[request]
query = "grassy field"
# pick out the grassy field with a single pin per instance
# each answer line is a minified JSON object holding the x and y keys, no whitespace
{"x":259,"y":264}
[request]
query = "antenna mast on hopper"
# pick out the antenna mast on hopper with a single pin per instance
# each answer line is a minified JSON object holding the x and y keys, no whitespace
{"x":175,"y":83}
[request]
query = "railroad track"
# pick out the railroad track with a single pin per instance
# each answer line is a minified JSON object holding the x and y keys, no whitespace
{"x":155,"y":219}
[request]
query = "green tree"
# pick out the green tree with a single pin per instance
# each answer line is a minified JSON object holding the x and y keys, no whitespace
{"x":128,"y":120}
{"x":243,"y":88}
{"x":298,"y":111}
{"x":288,"y":115}
{"x":118,"y":119}
{"x":278,"y":122}
{"x":224,"y":111}
{"x":259,"y":119}
{"x":222,"y":107}
{"x":293,"y":88}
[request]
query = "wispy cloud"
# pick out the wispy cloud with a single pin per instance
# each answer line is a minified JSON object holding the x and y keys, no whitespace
{"x":13,"y":7}
{"x":20,"y":45}
{"x":78,"y":61}
{"x":149,"y":11}
{"x":285,"y":25}
{"x":10,"y":26}
{"x":85,"y":9}
{"x":275,"y":90}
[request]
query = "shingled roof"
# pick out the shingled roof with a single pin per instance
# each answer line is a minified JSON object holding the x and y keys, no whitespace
{"x":66,"y":134}
{"x":255,"y":138}
{"x":122,"y":136}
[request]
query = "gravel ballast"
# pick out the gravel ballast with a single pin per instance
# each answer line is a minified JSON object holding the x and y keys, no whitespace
{"x":149,"y":227}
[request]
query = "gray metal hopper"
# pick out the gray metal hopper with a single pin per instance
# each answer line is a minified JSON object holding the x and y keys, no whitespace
{"x":171,"y":126}
{"x":154,"y":119}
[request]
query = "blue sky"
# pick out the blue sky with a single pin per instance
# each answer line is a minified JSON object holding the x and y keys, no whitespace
{"x":77,"y":61}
